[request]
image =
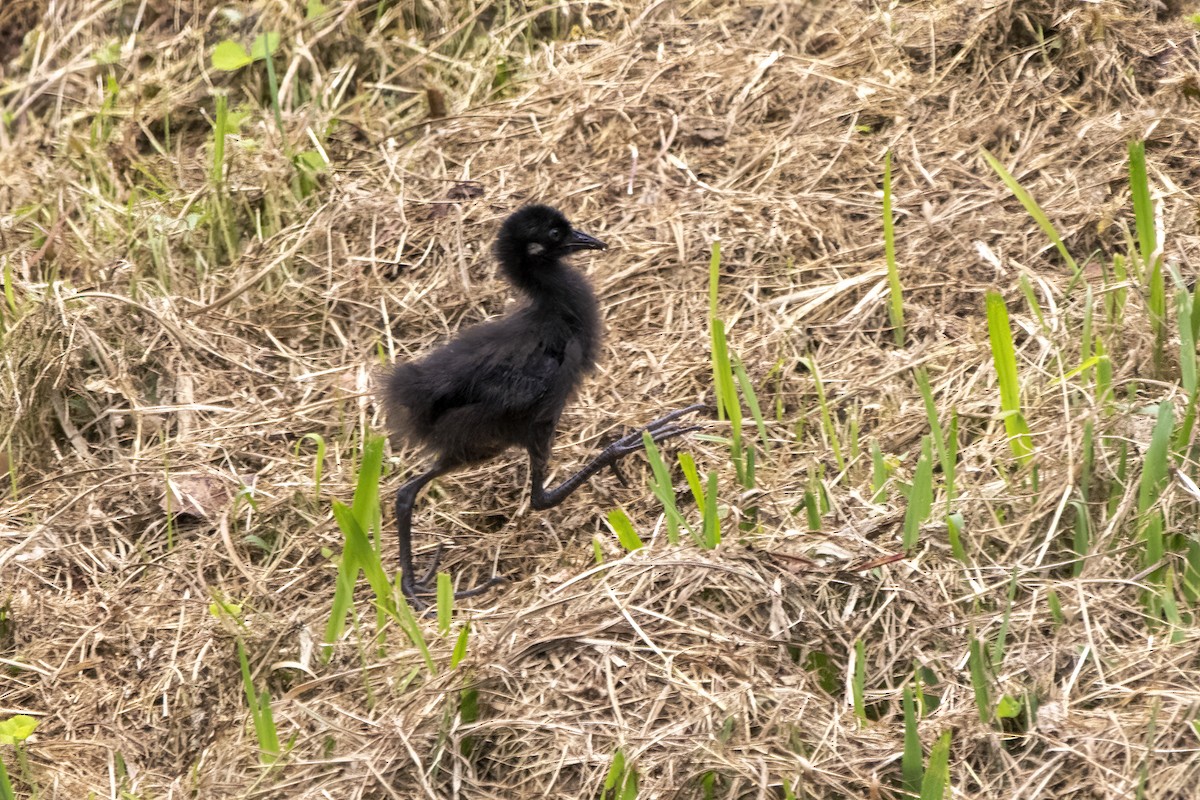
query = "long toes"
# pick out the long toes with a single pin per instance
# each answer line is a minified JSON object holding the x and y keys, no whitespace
{"x":660,"y":434}
{"x":481,"y":588}
{"x":418,"y":592}
{"x":633,"y":442}
{"x":674,"y":415}
{"x":414,"y":596}
{"x":425,"y":580}
{"x":615,"y":466}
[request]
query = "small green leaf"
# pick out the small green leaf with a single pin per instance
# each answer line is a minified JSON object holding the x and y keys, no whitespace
{"x":615,"y":772}
{"x":620,"y":524}
{"x":460,"y":646}
{"x":1008,"y":707}
{"x":229,"y":56}
{"x":219,"y":607}
{"x":314,"y":9}
{"x":17,"y":729}
{"x":234,"y":120}
{"x":110,"y":53}
{"x":266,"y":44}
{"x":312,"y":160}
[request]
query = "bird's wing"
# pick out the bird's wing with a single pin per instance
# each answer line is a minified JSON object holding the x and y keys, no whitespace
{"x":506,"y":385}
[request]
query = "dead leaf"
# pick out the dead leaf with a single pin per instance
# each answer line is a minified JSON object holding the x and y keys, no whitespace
{"x":197,"y":495}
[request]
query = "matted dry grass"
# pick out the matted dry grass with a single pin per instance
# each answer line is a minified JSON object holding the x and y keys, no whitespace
{"x":145,"y":353}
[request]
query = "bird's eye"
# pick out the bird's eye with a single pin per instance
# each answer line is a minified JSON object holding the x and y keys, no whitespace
{"x":556,"y":234}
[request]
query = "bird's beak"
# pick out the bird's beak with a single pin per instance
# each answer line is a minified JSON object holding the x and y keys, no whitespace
{"x":581,"y":241}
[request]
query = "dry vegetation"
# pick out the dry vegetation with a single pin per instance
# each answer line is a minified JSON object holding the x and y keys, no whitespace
{"x":165,"y":322}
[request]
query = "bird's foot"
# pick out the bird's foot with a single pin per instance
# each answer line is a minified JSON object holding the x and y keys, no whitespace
{"x":423,"y":590}
{"x":659,"y":430}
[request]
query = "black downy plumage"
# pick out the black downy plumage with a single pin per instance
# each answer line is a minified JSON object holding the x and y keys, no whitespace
{"x":504,"y":383}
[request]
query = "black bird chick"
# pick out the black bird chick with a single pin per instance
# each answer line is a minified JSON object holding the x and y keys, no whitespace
{"x":503,"y":383}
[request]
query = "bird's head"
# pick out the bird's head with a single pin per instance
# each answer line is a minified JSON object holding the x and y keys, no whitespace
{"x":535,"y":238}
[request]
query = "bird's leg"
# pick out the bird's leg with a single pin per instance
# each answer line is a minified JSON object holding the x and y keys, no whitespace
{"x":406,"y":497}
{"x":659,"y":429}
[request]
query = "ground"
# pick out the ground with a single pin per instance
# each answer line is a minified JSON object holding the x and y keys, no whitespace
{"x":209,"y":256}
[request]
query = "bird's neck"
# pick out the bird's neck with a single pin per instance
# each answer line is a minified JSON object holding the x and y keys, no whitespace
{"x":563,"y":293}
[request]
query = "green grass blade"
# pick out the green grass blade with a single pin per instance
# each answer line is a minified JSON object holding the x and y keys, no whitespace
{"x":1104,"y":378}
{"x":1143,"y":206}
{"x":220,"y":129}
{"x":358,"y":553}
{"x":693,"y":478}
{"x":714,"y":278}
{"x":1032,"y":208}
{"x":937,"y":775}
{"x":460,"y":645}
{"x":858,"y":681}
{"x":1148,"y":250}
{"x":706,"y":501}
{"x":403,"y":614}
{"x":954,"y":528}
{"x":931,"y":414}
{"x":1156,"y":463}
{"x":445,"y":602}
{"x":920,"y":497}
{"x":950,"y":465}
{"x":1081,"y":542}
{"x":896,"y":303}
{"x":6,"y":790}
{"x":1055,"y":606}
{"x":10,"y":290}
{"x":365,"y":503}
{"x":630,"y":790}
{"x":728,"y":405}
{"x":826,"y":415}
{"x":664,"y":490}
{"x":619,"y":523}
{"x":1005,"y":359}
{"x":1187,"y":368}
{"x":1148,"y":751}
{"x":979,"y":681}
{"x":343,"y":601}
{"x":1190,"y":582}
{"x":270,"y":42}
{"x":1032,"y":301}
{"x":712,"y":521}
{"x":615,"y":774}
{"x":1002,"y":635}
{"x":727,"y":398}
{"x":260,"y":711}
{"x":812,"y":510}
{"x":1118,"y":295}
{"x":1195,"y":317}
{"x":1170,"y":607}
{"x":912,"y":767}
{"x":268,"y":738}
{"x":747,"y":387}
{"x":1086,"y":352}
{"x":879,"y":472}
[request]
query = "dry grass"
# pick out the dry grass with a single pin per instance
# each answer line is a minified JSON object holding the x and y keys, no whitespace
{"x":145,"y":346}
